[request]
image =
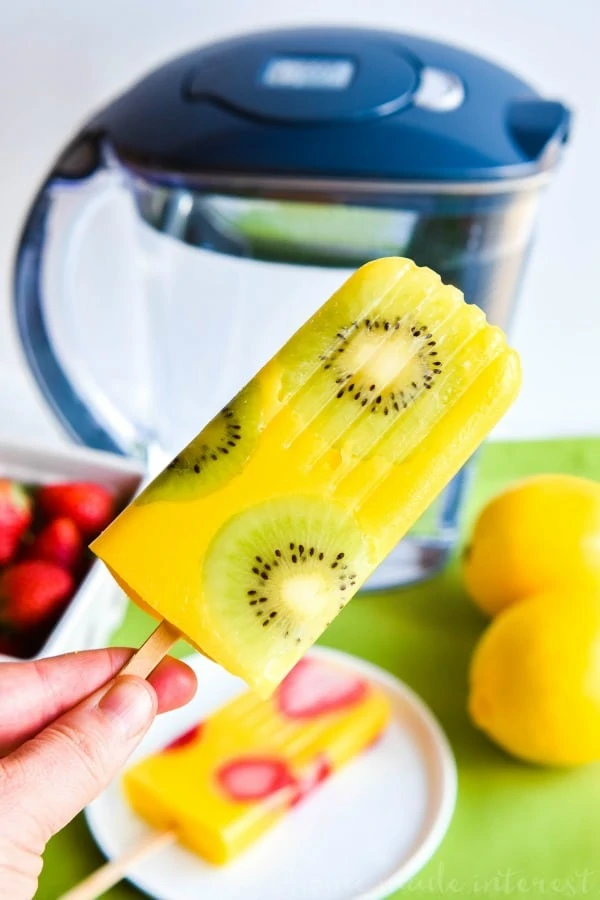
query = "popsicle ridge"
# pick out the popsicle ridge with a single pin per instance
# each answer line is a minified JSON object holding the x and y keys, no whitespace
{"x":477,"y":352}
{"x":324,"y":360}
{"x":401,"y":407}
{"x":360,"y":382}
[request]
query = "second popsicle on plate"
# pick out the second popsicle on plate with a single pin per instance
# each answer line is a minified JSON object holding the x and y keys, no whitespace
{"x":224,"y":783}
{"x":258,"y":533}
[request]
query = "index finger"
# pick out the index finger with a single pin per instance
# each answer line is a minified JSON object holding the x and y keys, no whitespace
{"x":33,"y":694}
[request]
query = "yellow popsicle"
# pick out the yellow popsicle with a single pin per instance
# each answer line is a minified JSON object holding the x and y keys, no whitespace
{"x":261,"y":530}
{"x":227,"y":781}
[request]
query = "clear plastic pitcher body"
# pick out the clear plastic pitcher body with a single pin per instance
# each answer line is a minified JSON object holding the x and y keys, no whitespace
{"x":145,"y":303}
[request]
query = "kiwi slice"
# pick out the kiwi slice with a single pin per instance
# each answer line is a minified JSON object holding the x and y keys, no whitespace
{"x":215,"y":455}
{"x":383,"y":375}
{"x":275,"y":576}
{"x":370,"y":368}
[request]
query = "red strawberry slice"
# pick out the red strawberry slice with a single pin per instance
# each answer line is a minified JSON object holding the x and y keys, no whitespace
{"x":254,"y":778}
{"x":316,"y":688}
{"x":188,"y":737}
{"x":316,"y":775}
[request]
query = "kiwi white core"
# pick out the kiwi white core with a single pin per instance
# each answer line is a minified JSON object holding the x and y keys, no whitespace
{"x":305,"y":595}
{"x":384,"y":362}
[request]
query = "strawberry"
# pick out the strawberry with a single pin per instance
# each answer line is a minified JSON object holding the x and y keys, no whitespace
{"x":59,"y":542}
{"x":32,"y":592}
{"x":254,"y":777}
{"x":15,"y":517}
{"x":188,"y":737}
{"x":91,"y":506}
{"x":316,"y":688}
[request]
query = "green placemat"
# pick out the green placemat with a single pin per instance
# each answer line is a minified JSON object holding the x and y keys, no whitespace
{"x":517,"y":830}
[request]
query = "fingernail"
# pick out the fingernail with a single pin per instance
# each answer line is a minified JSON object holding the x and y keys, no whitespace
{"x":129,"y":704}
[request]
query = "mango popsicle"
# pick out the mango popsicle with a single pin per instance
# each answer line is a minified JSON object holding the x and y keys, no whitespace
{"x":259,"y":532}
{"x":224,"y":783}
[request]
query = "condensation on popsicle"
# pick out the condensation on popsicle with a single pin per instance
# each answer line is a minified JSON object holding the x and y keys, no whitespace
{"x":259,"y":532}
{"x":224,"y":783}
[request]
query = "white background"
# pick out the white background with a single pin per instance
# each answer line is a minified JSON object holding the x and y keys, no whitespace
{"x":61,"y":60}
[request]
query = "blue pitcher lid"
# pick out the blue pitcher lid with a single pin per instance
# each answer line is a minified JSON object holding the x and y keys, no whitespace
{"x":332,"y":102}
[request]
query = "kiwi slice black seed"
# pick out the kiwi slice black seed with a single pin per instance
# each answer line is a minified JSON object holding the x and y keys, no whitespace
{"x":276,"y":575}
{"x":215,"y":455}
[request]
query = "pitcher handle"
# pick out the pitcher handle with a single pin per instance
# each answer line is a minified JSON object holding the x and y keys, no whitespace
{"x":83,"y":407}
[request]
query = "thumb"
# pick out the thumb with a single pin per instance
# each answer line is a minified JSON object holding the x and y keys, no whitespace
{"x":58,"y":772}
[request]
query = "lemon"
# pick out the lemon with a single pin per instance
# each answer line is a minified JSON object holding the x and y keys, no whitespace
{"x":540,"y":533}
{"x":535,"y":679}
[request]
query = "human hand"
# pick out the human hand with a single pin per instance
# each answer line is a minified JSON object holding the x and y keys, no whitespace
{"x":67,"y":726}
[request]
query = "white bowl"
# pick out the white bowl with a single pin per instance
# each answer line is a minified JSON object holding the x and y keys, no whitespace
{"x":98,"y":606}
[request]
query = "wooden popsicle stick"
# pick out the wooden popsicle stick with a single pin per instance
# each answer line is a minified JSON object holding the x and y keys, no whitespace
{"x":152,"y":651}
{"x":113,"y":871}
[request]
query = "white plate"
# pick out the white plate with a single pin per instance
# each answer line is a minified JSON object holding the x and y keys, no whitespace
{"x":363,"y":834}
